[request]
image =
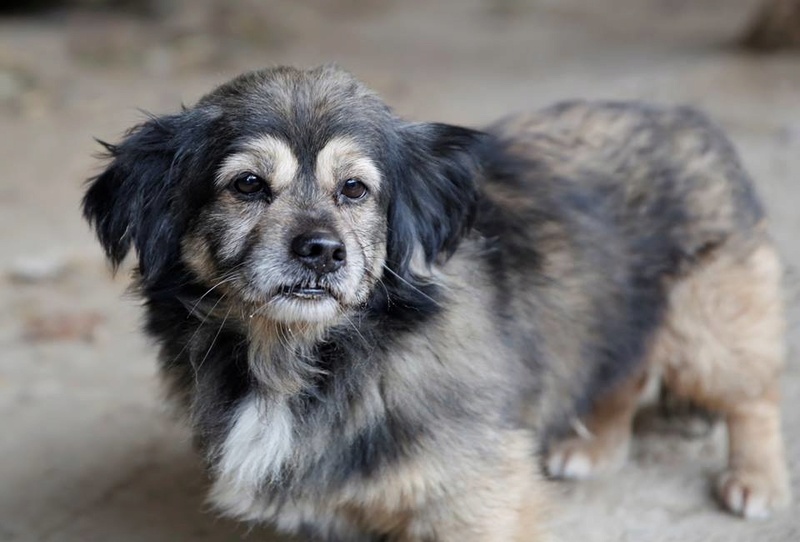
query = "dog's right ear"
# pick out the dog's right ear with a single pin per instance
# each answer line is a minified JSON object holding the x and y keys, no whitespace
{"x":435,"y":192}
{"x":130,"y":203}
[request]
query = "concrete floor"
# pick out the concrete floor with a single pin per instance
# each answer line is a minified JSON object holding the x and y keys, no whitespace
{"x":87,"y":451}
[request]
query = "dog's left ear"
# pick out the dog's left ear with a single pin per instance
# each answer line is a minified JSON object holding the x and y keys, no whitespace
{"x":434,"y":191}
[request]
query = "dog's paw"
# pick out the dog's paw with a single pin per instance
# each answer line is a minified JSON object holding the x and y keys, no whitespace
{"x":753,"y":494}
{"x":580,"y":458}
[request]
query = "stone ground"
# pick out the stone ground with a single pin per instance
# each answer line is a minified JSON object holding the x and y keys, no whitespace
{"x":87,"y":451}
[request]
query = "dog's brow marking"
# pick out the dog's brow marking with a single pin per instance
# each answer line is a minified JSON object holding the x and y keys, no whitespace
{"x":267,"y":156}
{"x":342,"y":158}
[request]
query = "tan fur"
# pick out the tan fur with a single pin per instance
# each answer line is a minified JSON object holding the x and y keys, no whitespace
{"x":504,"y":500}
{"x":601,"y":445}
{"x":722,"y":342}
{"x":721,"y":346}
{"x":341,"y":159}
{"x":266,"y":156}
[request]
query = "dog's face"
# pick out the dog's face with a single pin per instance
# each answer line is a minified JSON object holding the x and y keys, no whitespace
{"x":296,"y":237}
{"x":288,"y":194}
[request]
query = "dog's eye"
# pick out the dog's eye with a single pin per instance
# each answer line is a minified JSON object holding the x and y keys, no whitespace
{"x":354,"y":189}
{"x":249,"y":184}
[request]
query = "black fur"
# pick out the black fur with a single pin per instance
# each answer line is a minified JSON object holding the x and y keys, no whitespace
{"x":134,"y":203}
{"x":435,"y":191}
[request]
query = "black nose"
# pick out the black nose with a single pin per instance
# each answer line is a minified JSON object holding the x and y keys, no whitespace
{"x":320,"y":251}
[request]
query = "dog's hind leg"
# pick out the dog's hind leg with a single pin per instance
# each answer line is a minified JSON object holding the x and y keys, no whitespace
{"x":722,"y":347}
{"x":602,"y":440}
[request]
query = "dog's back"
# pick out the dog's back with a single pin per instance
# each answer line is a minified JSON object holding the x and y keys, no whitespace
{"x":652,"y":171}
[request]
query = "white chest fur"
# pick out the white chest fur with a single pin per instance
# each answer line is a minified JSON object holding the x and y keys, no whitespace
{"x":257,"y":447}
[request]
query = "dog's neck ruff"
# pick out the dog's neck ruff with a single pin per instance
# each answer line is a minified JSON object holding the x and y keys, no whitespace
{"x":283,"y":357}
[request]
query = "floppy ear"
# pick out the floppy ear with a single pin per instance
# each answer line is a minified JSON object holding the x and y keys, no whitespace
{"x":435,"y":192}
{"x":130,"y":203}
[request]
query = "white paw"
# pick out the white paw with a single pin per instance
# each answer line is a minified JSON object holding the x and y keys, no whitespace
{"x":570,"y":464}
{"x":752,"y":496}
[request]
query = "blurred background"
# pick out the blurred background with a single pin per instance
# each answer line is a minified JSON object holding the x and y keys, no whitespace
{"x":87,"y":451}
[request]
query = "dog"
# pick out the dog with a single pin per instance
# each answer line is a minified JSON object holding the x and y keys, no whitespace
{"x":384,"y":330}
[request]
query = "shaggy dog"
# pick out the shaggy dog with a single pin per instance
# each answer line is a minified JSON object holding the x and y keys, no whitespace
{"x":379,"y":330}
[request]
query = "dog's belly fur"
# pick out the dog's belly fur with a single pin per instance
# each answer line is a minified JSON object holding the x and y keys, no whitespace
{"x":507,"y":305}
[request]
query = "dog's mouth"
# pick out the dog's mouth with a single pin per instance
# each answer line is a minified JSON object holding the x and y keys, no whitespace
{"x":310,"y":292}
{"x":302,"y":302}
{"x":305,"y":292}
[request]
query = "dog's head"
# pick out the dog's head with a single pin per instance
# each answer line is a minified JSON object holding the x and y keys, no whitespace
{"x":294,"y":193}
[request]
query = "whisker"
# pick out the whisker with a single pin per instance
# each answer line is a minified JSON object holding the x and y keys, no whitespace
{"x":412,"y":286}
{"x":226,"y":277}
{"x":259,"y":309}
{"x":367,"y":271}
{"x":197,"y":303}
{"x":211,"y":347}
{"x":355,"y":328}
{"x":194,"y":280}
{"x":199,"y":327}
{"x":378,"y":280}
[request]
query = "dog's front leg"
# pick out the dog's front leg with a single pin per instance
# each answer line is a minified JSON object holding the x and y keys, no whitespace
{"x":496,"y":500}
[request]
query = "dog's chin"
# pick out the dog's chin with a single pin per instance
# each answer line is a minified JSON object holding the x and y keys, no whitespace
{"x":303,"y":305}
